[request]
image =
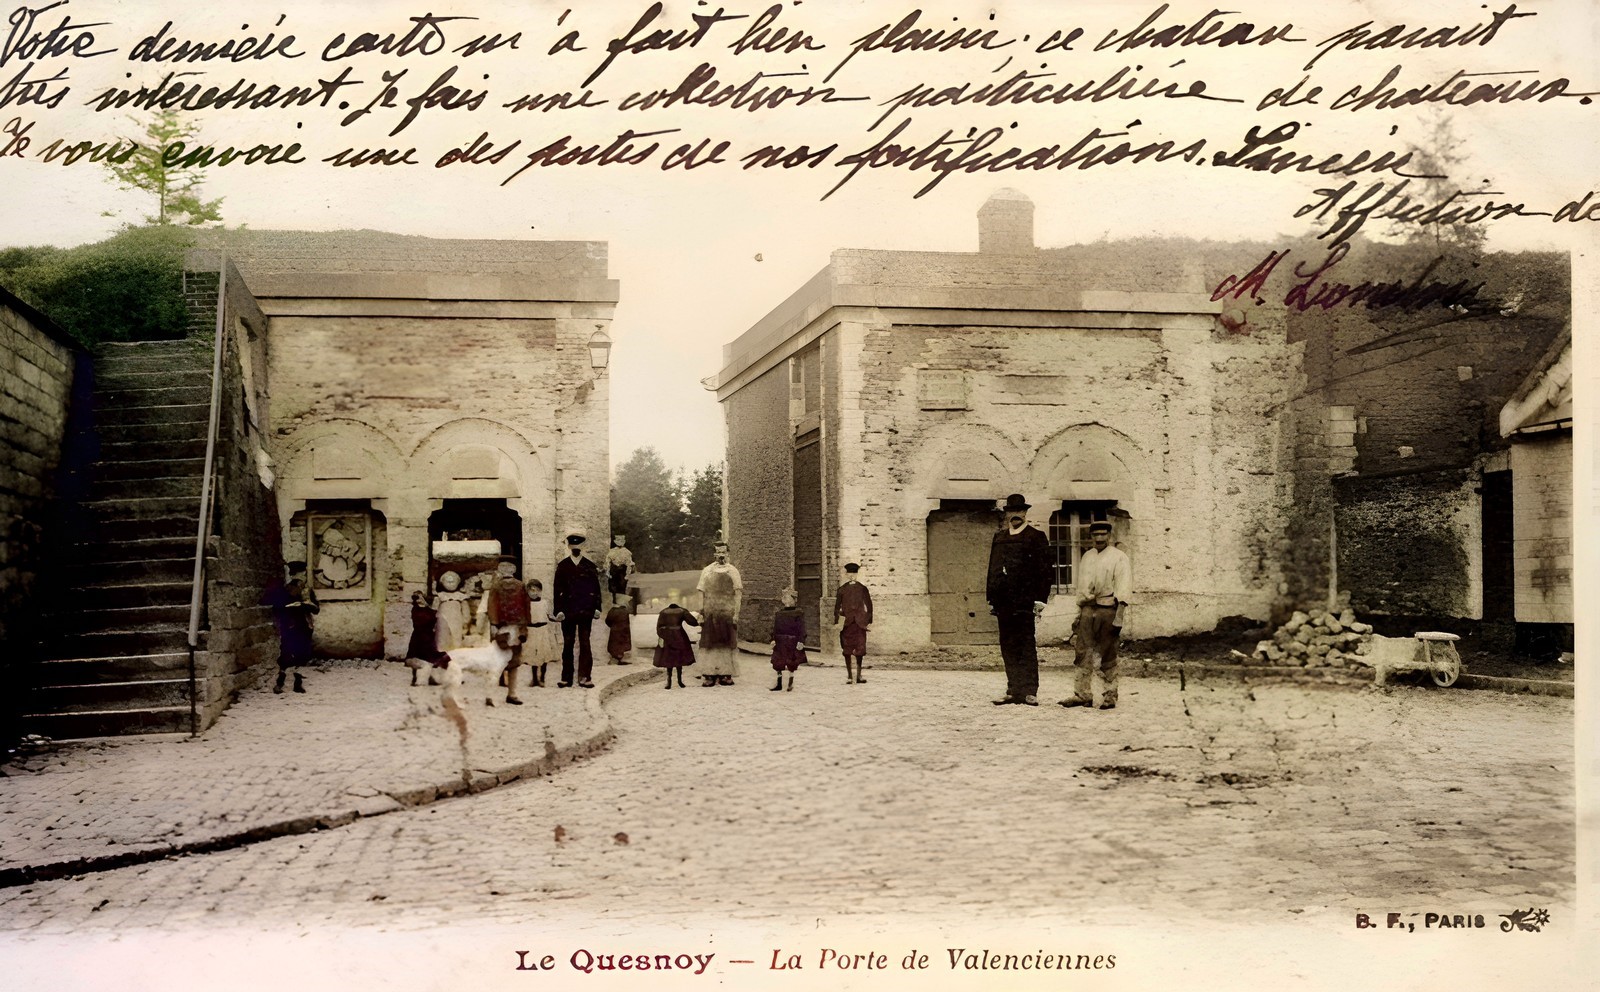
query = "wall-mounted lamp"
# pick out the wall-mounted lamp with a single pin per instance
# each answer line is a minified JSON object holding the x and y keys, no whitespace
{"x":599,"y":351}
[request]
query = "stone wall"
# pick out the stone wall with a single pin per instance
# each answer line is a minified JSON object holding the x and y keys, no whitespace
{"x":1193,"y":461}
{"x":1541,"y":472}
{"x":246,"y":560}
{"x":38,"y":369}
{"x":1411,"y":545}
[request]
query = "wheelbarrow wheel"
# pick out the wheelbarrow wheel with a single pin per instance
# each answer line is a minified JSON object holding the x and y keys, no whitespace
{"x":1446,"y":677}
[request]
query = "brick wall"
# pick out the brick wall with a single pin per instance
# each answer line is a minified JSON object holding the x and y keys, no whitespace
{"x":1541,"y":476}
{"x":38,"y":369}
{"x":759,"y":486}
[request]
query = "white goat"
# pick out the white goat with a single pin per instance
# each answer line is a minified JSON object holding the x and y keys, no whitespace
{"x":488,"y":660}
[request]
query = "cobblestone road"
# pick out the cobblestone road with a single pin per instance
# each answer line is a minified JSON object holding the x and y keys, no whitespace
{"x":913,"y":795}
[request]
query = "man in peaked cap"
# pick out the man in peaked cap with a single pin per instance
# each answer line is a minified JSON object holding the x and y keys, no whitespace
{"x":576,"y":600}
{"x":1105,"y":581}
{"x":1019,"y":584}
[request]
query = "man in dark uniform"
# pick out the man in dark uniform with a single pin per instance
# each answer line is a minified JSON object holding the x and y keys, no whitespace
{"x":577,"y":604}
{"x":1019,"y":585}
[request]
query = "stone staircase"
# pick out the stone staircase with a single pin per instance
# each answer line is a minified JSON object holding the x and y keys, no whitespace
{"x":117,"y":661}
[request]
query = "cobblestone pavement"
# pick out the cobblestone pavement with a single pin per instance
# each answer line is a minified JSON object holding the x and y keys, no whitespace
{"x":913,"y":795}
{"x":361,"y":742}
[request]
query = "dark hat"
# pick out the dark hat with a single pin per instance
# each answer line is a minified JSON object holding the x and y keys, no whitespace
{"x":852,"y":567}
{"x":1015,"y":502}
{"x":295,"y":566}
{"x":575,"y":538}
{"x":506,"y":560}
{"x":1100,"y":527}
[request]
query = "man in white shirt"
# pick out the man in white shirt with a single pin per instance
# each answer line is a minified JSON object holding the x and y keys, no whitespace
{"x":1105,"y":583}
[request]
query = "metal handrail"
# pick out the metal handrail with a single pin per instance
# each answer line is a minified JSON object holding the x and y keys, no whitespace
{"x":207,"y":489}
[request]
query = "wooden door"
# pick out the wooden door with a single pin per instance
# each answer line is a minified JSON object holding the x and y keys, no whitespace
{"x":958,"y":569}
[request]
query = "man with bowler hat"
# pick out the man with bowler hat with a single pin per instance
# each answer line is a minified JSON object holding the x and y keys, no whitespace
{"x":577,"y":604}
{"x":1105,"y":581}
{"x":1019,"y":585}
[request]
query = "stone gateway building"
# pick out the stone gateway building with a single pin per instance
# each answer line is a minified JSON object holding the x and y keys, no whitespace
{"x":1244,"y":446}
{"x":424,"y":390}
{"x":890,"y":402}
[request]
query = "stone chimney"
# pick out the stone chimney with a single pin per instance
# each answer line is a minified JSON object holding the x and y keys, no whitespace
{"x":1005,"y":223}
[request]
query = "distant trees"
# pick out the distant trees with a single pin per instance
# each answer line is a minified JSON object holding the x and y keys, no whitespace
{"x":671,"y":520}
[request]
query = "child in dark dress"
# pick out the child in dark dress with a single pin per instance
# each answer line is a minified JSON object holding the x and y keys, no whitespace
{"x":424,"y":645}
{"x":788,"y":639}
{"x":620,"y":641}
{"x":675,"y":651}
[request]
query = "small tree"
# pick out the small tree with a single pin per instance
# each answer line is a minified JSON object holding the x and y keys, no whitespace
{"x":1442,"y":156}
{"x":176,"y":188}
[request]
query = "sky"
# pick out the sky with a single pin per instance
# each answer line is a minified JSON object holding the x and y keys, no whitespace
{"x":702,"y":255}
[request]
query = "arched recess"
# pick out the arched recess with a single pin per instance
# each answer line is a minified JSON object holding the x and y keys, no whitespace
{"x":481,"y":460}
{"x":473,"y":458}
{"x":965,"y":462}
{"x":1092,"y":462}
{"x":337,"y":459}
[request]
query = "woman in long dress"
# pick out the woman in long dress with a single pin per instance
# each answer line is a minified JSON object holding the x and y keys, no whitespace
{"x":721,"y":591}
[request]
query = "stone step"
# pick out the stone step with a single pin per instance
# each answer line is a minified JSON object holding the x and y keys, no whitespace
{"x":132,"y":552}
{"x":173,"y":356}
{"x":106,"y":696}
{"x":136,"y":594}
{"x":104,"y":490}
{"x":106,"y":380}
{"x":170,"y":431}
{"x":173,"y":569}
{"x":164,"y":640}
{"x":130,"y":619}
{"x":174,"y":414}
{"x":141,"y":528}
{"x":108,"y":723}
{"x":143,"y":508}
{"x":90,"y":671}
{"x":149,"y":468}
{"x":134,"y":397}
{"x":118,"y":452}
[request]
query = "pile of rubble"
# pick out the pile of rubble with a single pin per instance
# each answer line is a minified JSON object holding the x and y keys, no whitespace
{"x":1318,"y":639}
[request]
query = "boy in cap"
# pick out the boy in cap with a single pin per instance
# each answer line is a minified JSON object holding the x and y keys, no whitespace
{"x":576,"y":600}
{"x":1105,"y":582}
{"x":853,"y":603}
{"x":505,"y":605}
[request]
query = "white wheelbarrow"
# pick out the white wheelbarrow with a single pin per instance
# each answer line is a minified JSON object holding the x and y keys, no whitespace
{"x":1430,"y":651}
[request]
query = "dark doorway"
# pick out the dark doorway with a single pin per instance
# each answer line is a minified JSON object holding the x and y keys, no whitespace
{"x":808,"y":528}
{"x":1499,"y":574}
{"x":476,"y":520}
{"x":960,"y":533}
